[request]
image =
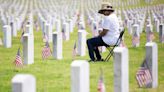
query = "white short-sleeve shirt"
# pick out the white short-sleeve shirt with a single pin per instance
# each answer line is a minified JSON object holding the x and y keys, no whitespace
{"x":111,"y":23}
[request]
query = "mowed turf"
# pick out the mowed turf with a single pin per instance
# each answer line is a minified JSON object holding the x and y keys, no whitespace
{"x":54,"y":75}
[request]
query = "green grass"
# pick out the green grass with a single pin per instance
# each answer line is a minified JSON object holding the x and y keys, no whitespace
{"x":54,"y":75}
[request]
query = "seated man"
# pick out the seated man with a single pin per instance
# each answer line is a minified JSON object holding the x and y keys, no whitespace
{"x":109,"y":34}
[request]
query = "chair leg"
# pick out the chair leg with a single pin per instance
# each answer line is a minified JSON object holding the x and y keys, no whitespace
{"x":110,"y":54}
{"x":107,"y":57}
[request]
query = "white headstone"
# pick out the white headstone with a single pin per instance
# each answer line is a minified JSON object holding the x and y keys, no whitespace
{"x":29,"y":30}
{"x":28,"y":49}
{"x":58,"y":25}
{"x":8,"y":19}
{"x":157,"y":25}
{"x":129,"y":25}
{"x":23,"y":83}
{"x":121,"y":69}
{"x":48,"y":30}
{"x":13,"y":29}
{"x":57,"y":45}
{"x":70,"y":21}
{"x":80,"y":76}
{"x":149,"y":32}
{"x":18,"y":24}
{"x":94,"y":28}
{"x":152,"y":61}
{"x":81,"y":42}
{"x":103,"y":49}
{"x":7,"y":36}
{"x":140,"y":26}
{"x":43,"y":26}
{"x":66,"y":31}
{"x":136,"y":35}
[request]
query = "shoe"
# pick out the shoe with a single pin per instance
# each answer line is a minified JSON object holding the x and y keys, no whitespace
{"x":100,"y":60}
{"x":91,"y":61}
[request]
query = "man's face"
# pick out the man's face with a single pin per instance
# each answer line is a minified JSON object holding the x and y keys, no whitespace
{"x":106,"y":13}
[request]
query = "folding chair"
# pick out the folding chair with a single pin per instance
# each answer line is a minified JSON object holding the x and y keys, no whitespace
{"x":116,"y":44}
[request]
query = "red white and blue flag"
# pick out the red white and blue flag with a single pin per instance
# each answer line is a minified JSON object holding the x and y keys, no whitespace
{"x":101,"y":85}
{"x":143,"y":77}
{"x":18,"y":59}
{"x":46,"y":51}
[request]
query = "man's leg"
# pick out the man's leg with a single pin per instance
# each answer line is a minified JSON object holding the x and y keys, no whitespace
{"x":91,"y":48}
{"x":93,"y":44}
{"x":97,"y":52}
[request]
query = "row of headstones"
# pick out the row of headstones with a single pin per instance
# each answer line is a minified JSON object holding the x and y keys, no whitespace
{"x":14,"y":26}
{"x":80,"y":81}
{"x":93,"y":4}
{"x":65,"y":25}
{"x":28,"y":43}
{"x":11,"y":24}
{"x":20,"y":12}
{"x":15,"y":6}
{"x":45,"y":8}
{"x":149,"y":33}
{"x":8,"y":17}
{"x":122,"y":4}
{"x":11,"y":29}
{"x":135,"y":30}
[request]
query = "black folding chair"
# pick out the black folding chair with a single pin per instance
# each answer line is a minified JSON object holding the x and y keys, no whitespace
{"x":111,"y":48}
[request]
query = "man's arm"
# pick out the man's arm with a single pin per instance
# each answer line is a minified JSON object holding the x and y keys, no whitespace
{"x":104,"y":32}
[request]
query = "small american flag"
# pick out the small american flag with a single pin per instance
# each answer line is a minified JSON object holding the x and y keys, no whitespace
{"x":46,"y":51}
{"x":135,"y":40}
{"x":143,"y":77}
{"x":151,"y":36}
{"x":101,"y":85}
{"x":74,"y":51}
{"x":18,"y":59}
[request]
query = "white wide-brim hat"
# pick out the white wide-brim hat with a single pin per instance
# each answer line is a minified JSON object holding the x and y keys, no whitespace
{"x":106,"y":6}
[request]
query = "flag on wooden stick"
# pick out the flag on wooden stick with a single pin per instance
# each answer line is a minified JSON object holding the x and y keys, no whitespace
{"x":143,"y":76}
{"x":46,"y":51}
{"x":18,"y":59}
{"x":151,"y":36}
{"x":101,"y":85}
{"x":74,"y":51}
{"x":135,"y":40}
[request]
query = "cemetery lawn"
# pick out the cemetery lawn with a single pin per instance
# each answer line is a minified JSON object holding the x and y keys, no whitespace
{"x":54,"y":75}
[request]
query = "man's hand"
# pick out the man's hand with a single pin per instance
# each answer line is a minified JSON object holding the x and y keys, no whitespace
{"x":104,"y":32}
